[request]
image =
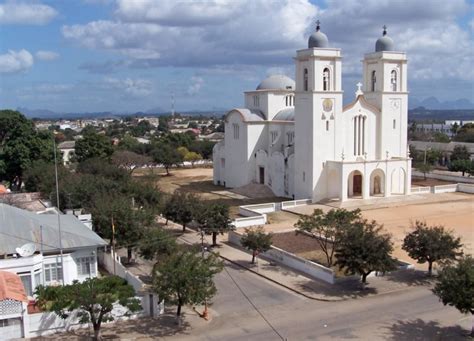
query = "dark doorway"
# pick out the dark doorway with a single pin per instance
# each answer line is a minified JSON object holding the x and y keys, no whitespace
{"x":261,"y":175}
{"x":357,"y":186}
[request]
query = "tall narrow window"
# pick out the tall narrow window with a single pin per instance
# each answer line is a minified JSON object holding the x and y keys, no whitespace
{"x":305,"y":79}
{"x":256,"y":101}
{"x":326,"y":79}
{"x":373,"y":81}
{"x":394,"y":124}
{"x":235,"y":127}
{"x":393,"y":80}
{"x":359,"y":135}
{"x":327,"y":125}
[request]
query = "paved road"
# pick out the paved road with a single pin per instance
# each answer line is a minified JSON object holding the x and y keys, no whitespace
{"x":412,"y":315}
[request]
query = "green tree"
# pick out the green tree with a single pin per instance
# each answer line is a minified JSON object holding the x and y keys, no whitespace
{"x":214,"y":219}
{"x":20,"y":145}
{"x":203,"y":148}
{"x":441,"y":137}
{"x":459,"y":153}
{"x":461,"y":166}
{"x":327,"y":228}
{"x":192,"y":157}
{"x":465,"y":133}
{"x":425,"y":168}
{"x":363,"y":248}
{"x":166,"y":155}
{"x":93,"y":145}
{"x":256,"y":240}
{"x":455,"y":286}
{"x":186,"y":278}
{"x":429,"y":244}
{"x":156,"y":242}
{"x":93,"y":298}
{"x":140,"y":129}
{"x":129,"y":160}
{"x":129,"y":222}
{"x":163,"y":123}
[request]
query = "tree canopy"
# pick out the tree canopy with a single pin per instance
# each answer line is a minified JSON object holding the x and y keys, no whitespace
{"x":214,"y":219}
{"x":459,"y":153}
{"x":21,"y":145}
{"x":93,"y":298}
{"x":166,"y":155}
{"x":256,"y":240}
{"x":186,"y":278}
{"x":429,"y":244}
{"x":327,"y":228}
{"x":363,"y":248}
{"x":455,"y":286}
{"x":93,"y":145}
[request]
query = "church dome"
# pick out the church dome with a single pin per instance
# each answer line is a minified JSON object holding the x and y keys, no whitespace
{"x":318,"y":39}
{"x":384,"y":43}
{"x":277,"y":82}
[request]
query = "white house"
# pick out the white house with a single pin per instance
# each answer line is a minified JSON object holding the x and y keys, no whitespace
{"x":299,"y":140}
{"x":67,"y":150}
{"x":30,"y":248}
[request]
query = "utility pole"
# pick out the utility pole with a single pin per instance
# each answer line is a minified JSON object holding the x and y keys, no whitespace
{"x":59,"y":211}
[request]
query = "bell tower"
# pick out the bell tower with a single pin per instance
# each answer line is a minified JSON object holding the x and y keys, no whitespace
{"x":318,"y":97}
{"x":385,"y":87}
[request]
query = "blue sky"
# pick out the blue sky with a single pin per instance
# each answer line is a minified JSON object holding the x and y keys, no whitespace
{"x":131,"y":55}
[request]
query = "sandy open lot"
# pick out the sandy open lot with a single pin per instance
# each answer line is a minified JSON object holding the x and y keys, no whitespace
{"x":199,"y":181}
{"x":456,"y":215}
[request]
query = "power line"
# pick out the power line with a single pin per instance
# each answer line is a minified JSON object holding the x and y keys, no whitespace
{"x":253,"y":305}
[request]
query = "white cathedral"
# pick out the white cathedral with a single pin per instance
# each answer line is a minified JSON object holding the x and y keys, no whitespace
{"x":299,"y":140}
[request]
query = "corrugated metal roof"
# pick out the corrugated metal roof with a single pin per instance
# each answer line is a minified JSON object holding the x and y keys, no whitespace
{"x":18,"y":227}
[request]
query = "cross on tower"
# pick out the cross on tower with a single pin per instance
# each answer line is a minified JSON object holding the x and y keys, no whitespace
{"x":359,"y":89}
{"x":317,"y":25}
{"x":384,"y":29}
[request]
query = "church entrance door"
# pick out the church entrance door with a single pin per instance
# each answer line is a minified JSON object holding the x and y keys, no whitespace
{"x":357,"y":185}
{"x":261,"y":175}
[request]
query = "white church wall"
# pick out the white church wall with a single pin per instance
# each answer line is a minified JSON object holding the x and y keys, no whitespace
{"x":218,"y":161}
{"x":277,"y":174}
{"x":236,"y":162}
{"x":290,"y":175}
{"x":256,"y":134}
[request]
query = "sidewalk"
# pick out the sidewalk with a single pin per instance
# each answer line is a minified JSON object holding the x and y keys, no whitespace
{"x":300,"y":284}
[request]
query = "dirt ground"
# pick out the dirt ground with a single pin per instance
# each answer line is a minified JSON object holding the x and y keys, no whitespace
{"x":457,"y":216}
{"x":199,"y":181}
{"x":420,"y":182}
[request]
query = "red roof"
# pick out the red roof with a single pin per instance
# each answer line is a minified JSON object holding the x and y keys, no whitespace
{"x":11,"y":287}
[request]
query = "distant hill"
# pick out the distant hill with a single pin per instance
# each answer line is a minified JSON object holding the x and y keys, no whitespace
{"x":422,"y":114}
{"x":434,"y":104}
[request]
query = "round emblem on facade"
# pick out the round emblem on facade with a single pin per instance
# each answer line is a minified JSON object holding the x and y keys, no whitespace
{"x":395,"y":104}
{"x":327,"y":104}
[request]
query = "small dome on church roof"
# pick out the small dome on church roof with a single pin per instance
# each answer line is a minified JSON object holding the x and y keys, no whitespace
{"x":384,"y":43}
{"x":318,"y":39}
{"x":277,"y":82}
{"x":287,"y":114}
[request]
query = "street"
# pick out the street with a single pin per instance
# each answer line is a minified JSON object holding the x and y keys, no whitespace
{"x":415,"y":314}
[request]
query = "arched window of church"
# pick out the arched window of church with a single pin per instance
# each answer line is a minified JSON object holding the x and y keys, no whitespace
{"x":305,"y":79}
{"x":393,"y":80}
{"x":373,"y":81}
{"x":326,"y":79}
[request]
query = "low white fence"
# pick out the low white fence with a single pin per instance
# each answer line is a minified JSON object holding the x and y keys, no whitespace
{"x":286,"y":258}
{"x":255,"y":215}
{"x":150,"y":302}
{"x":445,"y":177}
{"x":420,"y":190}
{"x":294,"y":203}
{"x":466,"y":188}
{"x":445,"y":188}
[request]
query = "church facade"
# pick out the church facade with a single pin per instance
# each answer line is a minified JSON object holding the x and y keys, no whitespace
{"x":297,"y":138}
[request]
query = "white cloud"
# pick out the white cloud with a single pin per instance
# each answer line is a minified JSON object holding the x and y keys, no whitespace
{"x":226,"y":33}
{"x":26,"y":13}
{"x":46,"y":55}
{"x":15,"y":61}
{"x":131,"y":87}
{"x":195,"y":86}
